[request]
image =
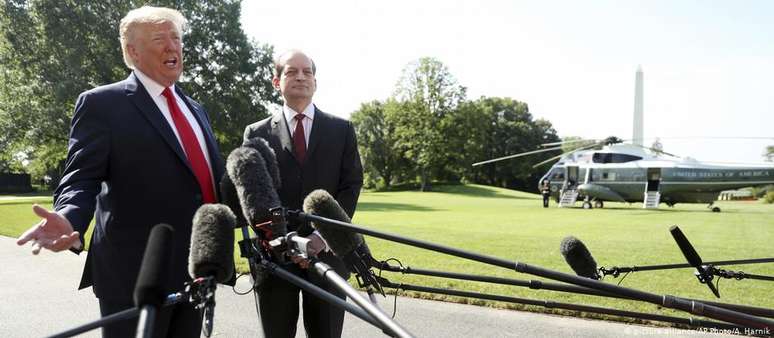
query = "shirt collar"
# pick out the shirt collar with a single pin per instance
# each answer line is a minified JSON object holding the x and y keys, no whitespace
{"x":290,"y":113}
{"x":153,"y":87}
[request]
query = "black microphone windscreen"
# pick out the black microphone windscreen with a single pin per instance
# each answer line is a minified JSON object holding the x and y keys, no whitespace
{"x":578,"y":257}
{"x":705,"y":276}
{"x":149,"y":289}
{"x":341,"y":242}
{"x":269,"y":158}
{"x":685,"y":246}
{"x":247,"y":170}
{"x":212,"y":243}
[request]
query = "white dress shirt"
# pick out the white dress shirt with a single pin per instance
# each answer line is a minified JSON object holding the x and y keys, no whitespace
{"x":290,"y":118}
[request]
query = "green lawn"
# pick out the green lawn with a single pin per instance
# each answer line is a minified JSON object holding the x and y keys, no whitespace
{"x":513,"y":225}
{"x":16,"y":213}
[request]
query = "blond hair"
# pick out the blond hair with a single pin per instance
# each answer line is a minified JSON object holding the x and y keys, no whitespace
{"x":144,"y":15}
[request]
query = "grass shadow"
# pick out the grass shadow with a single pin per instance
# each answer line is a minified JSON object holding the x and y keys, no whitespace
{"x":29,"y":201}
{"x":478,"y":191}
{"x":385,"y":206}
{"x":671,"y":210}
{"x":36,"y":193}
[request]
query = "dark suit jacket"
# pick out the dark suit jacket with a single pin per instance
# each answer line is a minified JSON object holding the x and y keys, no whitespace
{"x":332,"y":160}
{"x":124,"y":161}
{"x":332,"y":163}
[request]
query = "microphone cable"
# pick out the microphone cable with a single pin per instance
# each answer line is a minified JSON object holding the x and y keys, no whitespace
{"x":397,"y":291}
{"x":622,"y":278}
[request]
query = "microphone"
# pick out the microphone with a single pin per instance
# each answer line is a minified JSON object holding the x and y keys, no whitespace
{"x":703,"y":272}
{"x":211,"y":256}
{"x":212,"y":243}
{"x":149,"y":292}
{"x":272,"y":167}
{"x":579,"y":258}
{"x":319,"y":202}
{"x":228,"y":191}
{"x":347,"y":245}
{"x":254,"y":187}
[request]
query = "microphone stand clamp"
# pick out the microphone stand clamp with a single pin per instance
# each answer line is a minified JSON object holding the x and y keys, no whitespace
{"x":201,"y":292}
{"x":705,"y":275}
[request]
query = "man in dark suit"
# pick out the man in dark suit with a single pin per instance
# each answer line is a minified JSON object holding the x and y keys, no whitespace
{"x":141,"y":153}
{"x":315,"y":150}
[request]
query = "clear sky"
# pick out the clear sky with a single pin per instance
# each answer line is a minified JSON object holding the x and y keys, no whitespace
{"x":708,"y":65}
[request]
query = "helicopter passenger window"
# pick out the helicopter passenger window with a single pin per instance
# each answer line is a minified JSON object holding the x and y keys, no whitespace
{"x":614,"y":158}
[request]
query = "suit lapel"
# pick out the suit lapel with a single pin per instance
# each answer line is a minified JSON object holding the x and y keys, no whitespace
{"x":280,"y":130}
{"x":139,"y":96}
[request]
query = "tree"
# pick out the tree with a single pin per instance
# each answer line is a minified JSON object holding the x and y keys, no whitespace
{"x":505,"y":127}
{"x":225,"y":71}
{"x":51,"y":50}
{"x":427,"y":93}
{"x":376,"y":142}
{"x":769,"y":153}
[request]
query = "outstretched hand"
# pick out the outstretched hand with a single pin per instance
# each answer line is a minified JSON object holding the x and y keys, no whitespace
{"x":53,"y":232}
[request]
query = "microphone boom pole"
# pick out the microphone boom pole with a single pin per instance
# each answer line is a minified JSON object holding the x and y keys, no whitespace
{"x":669,"y":301}
{"x":693,"y":322}
{"x":391,"y":326}
{"x":559,"y":287}
{"x":255,"y":258}
{"x":109,"y":319}
{"x":615,"y":271}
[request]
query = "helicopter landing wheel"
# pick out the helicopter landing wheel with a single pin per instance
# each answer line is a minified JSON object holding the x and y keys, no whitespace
{"x":715,"y":209}
{"x":587,"y":205}
{"x":599,"y":204}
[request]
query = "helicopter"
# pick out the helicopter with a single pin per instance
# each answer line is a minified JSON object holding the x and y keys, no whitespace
{"x":628,"y":172}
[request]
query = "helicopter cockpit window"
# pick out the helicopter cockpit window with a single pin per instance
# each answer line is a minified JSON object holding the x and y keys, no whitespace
{"x":614,"y":158}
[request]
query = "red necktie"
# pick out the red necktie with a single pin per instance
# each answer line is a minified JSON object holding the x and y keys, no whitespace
{"x":192,"y":148}
{"x":299,"y":141}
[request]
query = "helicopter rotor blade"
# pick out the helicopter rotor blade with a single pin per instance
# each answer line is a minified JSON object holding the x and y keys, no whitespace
{"x":656,"y":150}
{"x":551,"y":144}
{"x":548,"y":160}
{"x":606,"y":141}
{"x":569,"y":152}
{"x":515,"y":155}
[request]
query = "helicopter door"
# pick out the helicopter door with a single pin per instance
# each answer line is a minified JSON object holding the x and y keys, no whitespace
{"x":572,"y":177}
{"x":654,"y":179}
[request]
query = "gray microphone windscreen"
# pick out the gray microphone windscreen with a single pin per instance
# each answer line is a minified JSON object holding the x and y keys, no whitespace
{"x":269,"y":158}
{"x":254,"y":187}
{"x":579,"y":258}
{"x":212,"y":243}
{"x":341,"y":242}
